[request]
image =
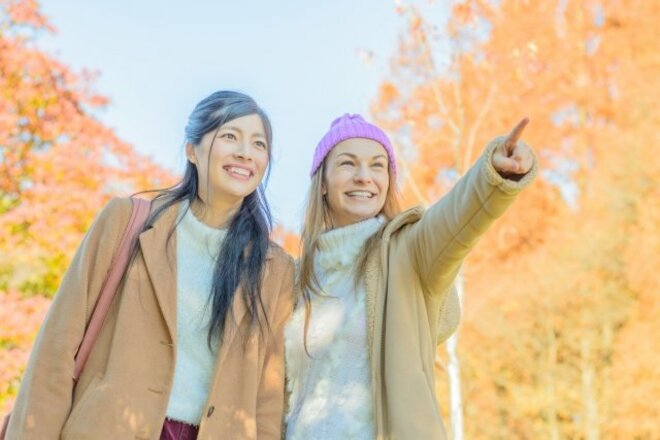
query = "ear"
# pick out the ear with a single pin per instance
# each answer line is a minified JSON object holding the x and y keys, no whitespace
{"x":324,"y":189}
{"x":190,"y":153}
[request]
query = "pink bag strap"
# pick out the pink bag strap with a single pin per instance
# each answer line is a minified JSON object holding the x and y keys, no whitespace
{"x":110,"y":285}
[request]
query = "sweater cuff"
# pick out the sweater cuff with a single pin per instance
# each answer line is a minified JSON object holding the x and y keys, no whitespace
{"x":493,"y":177}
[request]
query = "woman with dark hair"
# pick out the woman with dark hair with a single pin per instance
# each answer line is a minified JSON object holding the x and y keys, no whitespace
{"x":192,"y":346}
{"x":375,"y":284}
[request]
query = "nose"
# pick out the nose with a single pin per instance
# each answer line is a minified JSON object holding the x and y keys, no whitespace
{"x":243,"y":151}
{"x":362,"y":175}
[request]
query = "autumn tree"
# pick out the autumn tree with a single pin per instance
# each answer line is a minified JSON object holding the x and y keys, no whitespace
{"x":58,"y":166}
{"x":541,"y":355}
{"x":58,"y":163}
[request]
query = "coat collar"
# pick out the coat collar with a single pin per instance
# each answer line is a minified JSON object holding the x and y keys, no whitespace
{"x":375,"y":276}
{"x":376,"y":271}
{"x":159,"y":252}
{"x":408,"y":216}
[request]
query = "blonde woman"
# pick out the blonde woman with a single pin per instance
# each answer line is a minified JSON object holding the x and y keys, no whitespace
{"x":375,"y":284}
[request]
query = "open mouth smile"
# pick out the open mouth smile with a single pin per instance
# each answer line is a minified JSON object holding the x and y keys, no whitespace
{"x":360,"y":194}
{"x":238,"y":172}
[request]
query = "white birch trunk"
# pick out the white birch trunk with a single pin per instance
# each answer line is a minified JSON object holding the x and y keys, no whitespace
{"x":454,"y":376}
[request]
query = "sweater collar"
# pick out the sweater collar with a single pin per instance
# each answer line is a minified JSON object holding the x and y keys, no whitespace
{"x":198,"y":234}
{"x":340,"y":247}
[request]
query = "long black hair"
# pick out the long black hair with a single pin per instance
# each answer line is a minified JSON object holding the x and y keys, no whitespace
{"x":242,"y":255}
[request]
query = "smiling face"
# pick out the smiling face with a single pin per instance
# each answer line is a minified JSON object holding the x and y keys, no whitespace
{"x":356,"y":181}
{"x":230,"y":161}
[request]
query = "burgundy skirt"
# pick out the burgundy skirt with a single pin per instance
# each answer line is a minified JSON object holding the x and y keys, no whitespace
{"x":174,"y":430}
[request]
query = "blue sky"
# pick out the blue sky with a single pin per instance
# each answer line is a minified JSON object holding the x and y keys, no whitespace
{"x":299,"y":59}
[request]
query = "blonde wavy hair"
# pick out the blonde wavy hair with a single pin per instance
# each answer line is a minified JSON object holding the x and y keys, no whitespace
{"x":318,"y":221}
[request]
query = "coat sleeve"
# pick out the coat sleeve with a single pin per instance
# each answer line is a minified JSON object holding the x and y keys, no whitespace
{"x":450,"y":228}
{"x":45,"y":395}
{"x":270,"y":401}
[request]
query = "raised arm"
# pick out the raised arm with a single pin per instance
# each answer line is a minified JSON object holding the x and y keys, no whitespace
{"x":451,"y":227}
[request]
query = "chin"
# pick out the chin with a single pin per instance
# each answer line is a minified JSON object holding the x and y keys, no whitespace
{"x":361,"y":216}
{"x":239,"y":192}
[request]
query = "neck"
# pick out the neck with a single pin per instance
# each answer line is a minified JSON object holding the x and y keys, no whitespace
{"x":216,"y":214}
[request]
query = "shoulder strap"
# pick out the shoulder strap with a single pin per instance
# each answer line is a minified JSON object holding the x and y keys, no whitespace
{"x":110,"y":285}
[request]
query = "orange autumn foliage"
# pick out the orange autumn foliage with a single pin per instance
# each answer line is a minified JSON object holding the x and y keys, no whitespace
{"x":289,"y":240}
{"x":58,"y":163}
{"x":58,"y":166}
{"x":559,"y":307}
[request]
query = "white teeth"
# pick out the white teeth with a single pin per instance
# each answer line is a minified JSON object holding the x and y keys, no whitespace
{"x":360,"y":194}
{"x":241,"y":171}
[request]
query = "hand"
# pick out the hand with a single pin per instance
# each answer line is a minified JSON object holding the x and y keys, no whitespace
{"x":512,"y":158}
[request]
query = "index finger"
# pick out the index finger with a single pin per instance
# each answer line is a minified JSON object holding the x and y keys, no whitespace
{"x":513,"y":137}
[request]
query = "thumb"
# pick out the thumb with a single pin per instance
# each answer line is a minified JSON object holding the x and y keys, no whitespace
{"x":505,"y":164}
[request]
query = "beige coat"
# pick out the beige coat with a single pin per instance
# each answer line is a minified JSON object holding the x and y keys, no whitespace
{"x":410,"y":303}
{"x":124,"y":390}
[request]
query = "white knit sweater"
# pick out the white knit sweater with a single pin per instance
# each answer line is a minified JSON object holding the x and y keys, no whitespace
{"x":197,"y":248}
{"x":330,"y":392}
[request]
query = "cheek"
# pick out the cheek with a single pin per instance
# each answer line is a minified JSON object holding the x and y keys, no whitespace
{"x":262,"y":162}
{"x":335,"y":186}
{"x":204,"y":167}
{"x":215,"y":159}
{"x":383,"y":185}
{"x":334,"y":195}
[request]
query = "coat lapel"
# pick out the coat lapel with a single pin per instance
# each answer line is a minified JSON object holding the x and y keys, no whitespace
{"x":160,"y":259}
{"x":376,"y":284}
{"x":371,"y":273}
{"x":375,"y":277}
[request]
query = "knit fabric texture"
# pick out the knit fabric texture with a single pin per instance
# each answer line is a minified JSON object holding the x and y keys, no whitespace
{"x":197,"y":247}
{"x":351,"y":126}
{"x":331,"y":391}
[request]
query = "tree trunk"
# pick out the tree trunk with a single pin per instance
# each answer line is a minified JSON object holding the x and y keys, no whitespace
{"x":589,"y":399}
{"x":454,"y":376}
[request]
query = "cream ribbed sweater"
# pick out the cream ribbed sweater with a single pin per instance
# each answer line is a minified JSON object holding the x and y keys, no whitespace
{"x":330,"y":393}
{"x":197,"y":248}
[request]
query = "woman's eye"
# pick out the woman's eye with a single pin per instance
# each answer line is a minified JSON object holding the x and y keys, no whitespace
{"x":346,"y":162}
{"x":378,"y":165}
{"x":229,"y":136}
{"x":260,"y":144}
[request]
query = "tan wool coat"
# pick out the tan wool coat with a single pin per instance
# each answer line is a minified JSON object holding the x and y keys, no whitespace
{"x":124,"y":390}
{"x":410,"y":303}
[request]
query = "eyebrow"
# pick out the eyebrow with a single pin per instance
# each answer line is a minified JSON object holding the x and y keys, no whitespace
{"x":231,"y":127}
{"x":353,"y":156}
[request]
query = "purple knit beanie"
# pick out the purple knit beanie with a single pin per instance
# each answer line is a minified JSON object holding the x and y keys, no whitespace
{"x":351,"y":126}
